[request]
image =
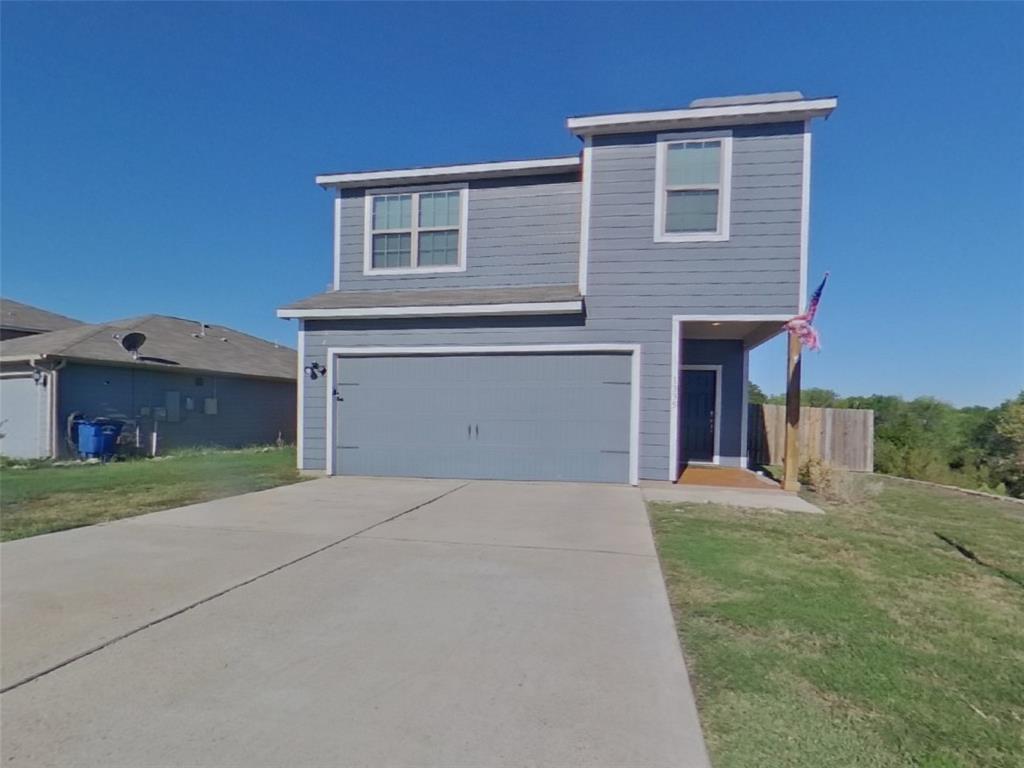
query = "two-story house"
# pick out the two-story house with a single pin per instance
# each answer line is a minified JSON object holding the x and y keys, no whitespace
{"x":568,"y":318}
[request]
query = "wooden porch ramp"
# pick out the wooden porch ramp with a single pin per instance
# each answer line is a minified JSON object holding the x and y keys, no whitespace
{"x":725,"y":477}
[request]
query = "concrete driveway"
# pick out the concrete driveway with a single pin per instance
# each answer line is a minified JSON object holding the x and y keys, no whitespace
{"x":349,"y":622}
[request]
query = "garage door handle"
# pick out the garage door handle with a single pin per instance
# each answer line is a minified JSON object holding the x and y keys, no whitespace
{"x":469,"y":431}
{"x":477,"y":430}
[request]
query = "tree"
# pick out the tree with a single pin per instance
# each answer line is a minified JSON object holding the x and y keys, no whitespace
{"x":754,"y":394}
{"x":1009,"y":446}
{"x":818,"y":398}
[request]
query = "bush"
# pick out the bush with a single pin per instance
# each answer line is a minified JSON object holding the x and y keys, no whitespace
{"x":831,"y":483}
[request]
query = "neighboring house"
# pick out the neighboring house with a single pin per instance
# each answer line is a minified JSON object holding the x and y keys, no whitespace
{"x":190,"y":383}
{"x":17,"y":319}
{"x":568,"y":318}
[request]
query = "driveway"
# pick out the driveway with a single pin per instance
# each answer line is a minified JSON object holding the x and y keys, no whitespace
{"x":349,"y":622}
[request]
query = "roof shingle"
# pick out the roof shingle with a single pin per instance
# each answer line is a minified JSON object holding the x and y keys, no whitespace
{"x":171,"y":343}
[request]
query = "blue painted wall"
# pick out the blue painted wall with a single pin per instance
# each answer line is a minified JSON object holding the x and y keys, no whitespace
{"x":249,"y":411}
{"x":635,"y":285}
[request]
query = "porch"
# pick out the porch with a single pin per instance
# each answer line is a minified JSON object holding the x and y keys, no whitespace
{"x":709,"y":407}
{"x":725,"y":477}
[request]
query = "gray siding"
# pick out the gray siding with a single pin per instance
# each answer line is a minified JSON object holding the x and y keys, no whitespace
{"x":521,"y":231}
{"x":635,"y":285}
{"x":728,"y":354}
{"x":756,"y":271}
{"x":655,"y":335}
{"x":249,"y":411}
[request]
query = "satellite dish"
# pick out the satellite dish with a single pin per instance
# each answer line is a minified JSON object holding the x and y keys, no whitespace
{"x":132,"y":341}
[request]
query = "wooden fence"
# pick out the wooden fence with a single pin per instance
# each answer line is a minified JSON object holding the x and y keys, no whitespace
{"x":841,"y":437}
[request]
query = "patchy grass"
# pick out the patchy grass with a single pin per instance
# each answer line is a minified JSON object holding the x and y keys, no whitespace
{"x":857,"y":638}
{"x":43,"y":498}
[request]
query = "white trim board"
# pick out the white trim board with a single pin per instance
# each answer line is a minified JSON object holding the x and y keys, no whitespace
{"x":586,"y":191}
{"x":337,"y":241}
{"x":544,"y":165}
{"x":805,"y":216}
{"x":634,"y":350}
{"x":300,"y":399}
{"x":770,"y":112}
{"x":717,"y":368}
{"x":744,"y":414}
{"x":673,"y":402}
{"x":449,"y":310}
{"x":729,"y":318}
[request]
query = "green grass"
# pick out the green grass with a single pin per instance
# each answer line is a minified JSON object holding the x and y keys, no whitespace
{"x":38,"y":498}
{"x":857,"y":638}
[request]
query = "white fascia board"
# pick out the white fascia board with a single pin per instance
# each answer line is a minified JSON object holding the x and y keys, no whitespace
{"x":702,"y":116}
{"x":730,"y":318}
{"x":529,"y":308}
{"x":473,"y":170}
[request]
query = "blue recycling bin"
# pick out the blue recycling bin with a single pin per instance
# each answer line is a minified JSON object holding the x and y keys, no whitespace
{"x":98,"y":439}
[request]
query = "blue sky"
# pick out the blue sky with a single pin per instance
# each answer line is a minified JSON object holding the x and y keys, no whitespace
{"x":160,"y":157}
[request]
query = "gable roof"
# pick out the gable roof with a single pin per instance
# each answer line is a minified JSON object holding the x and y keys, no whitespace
{"x":24,"y":317}
{"x":172,"y":343}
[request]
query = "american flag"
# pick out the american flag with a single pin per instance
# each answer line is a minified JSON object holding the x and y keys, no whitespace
{"x":800,"y":326}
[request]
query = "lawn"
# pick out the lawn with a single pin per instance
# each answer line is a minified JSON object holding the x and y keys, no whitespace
{"x":856,"y":638}
{"x":46,"y":498}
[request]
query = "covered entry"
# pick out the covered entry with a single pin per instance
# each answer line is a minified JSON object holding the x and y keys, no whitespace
{"x":532,"y":414}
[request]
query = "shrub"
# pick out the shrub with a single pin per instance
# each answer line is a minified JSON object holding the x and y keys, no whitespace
{"x":830,"y":482}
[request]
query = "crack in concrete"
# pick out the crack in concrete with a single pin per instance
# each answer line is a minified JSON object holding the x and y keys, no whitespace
{"x":221,"y":593}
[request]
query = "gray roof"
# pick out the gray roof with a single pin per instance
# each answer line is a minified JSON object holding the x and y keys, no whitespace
{"x":171,"y":343}
{"x":25,"y":317}
{"x":750,"y":98}
{"x":438,"y":298}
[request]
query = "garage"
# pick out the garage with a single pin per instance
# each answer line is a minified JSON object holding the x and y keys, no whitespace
{"x":511,"y":416}
{"x":24,"y":418}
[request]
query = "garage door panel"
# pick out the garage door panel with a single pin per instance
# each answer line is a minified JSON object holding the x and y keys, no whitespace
{"x":24,"y":418}
{"x":521,"y":417}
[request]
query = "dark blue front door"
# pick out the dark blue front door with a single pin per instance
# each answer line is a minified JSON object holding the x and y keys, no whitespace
{"x":699,"y":415}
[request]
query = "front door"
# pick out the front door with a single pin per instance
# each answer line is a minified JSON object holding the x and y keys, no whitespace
{"x":699,"y":396}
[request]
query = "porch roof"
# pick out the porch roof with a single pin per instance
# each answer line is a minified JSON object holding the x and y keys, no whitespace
{"x":538,"y":299}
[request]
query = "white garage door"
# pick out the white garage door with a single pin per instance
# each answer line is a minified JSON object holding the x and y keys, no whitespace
{"x":24,"y":418}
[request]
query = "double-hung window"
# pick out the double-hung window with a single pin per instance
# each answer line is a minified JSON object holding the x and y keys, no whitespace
{"x":416,"y":232}
{"x":693,"y":189}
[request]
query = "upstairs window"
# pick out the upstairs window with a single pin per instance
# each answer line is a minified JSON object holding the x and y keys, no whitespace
{"x":692,"y":203}
{"x":415,"y":232}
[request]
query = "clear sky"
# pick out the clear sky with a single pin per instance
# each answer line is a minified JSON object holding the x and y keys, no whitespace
{"x":160,"y":157}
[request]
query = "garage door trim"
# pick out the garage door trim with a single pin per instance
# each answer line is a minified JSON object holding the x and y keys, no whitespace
{"x":333,"y":353}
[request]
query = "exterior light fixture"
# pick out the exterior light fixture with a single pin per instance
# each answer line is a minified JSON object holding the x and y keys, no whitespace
{"x":314,"y":370}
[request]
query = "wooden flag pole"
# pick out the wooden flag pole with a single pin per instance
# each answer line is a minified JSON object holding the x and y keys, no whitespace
{"x":791,"y":468}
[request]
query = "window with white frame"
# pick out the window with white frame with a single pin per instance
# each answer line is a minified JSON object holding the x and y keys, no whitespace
{"x":416,"y":231}
{"x":693,"y":190}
